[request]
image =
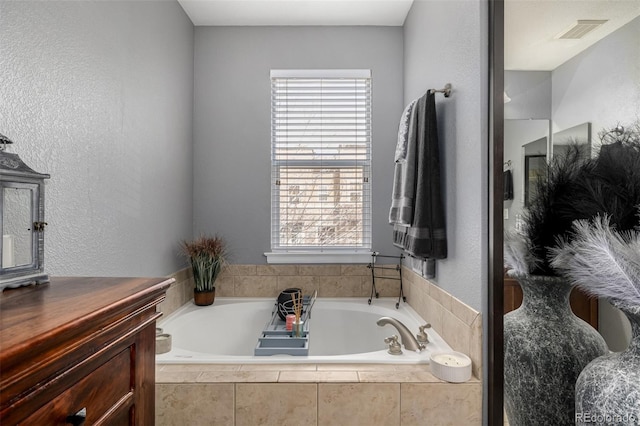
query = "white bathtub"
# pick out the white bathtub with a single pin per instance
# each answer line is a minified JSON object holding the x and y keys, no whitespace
{"x":342,"y":330}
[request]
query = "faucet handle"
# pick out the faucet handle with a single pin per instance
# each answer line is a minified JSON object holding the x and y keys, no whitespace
{"x":422,"y":335}
{"x":394,"y":346}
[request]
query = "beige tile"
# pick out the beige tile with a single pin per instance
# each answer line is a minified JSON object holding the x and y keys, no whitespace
{"x":277,"y":367}
{"x":463,"y":311}
{"x":177,"y":376}
{"x":387,"y":287}
{"x":435,"y":315}
{"x":409,"y":289}
{"x":200,"y":367}
{"x":194,"y":405}
{"x":255,"y":286}
{"x":187,"y":290}
{"x":420,"y":299}
{"x":409,"y":276}
{"x":356,"y":404}
{"x":422,"y":283}
{"x":425,"y":296}
{"x":360,"y":270}
{"x":225,"y":287}
{"x":172,"y":301}
{"x":411,"y":367}
{"x":306,"y":283}
{"x":356,"y":367}
{"x":440,"y":296}
{"x":182,"y":275}
{"x":277,"y":270}
{"x":227,"y":271}
{"x":319,"y":270}
{"x":237,"y":270}
{"x":441,"y":403}
{"x":338,"y":286}
{"x":318,"y":376}
{"x":281,"y":404}
{"x":238,"y":377}
{"x":396,"y":376}
{"x":475,"y":347}
{"x":456,"y":333}
{"x":388,"y":270}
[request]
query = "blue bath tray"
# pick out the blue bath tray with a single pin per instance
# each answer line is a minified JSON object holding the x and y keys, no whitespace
{"x":276,"y":340}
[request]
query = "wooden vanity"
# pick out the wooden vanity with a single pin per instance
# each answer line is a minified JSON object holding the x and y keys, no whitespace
{"x":79,"y":351}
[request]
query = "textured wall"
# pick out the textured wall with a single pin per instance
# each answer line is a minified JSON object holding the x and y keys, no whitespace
{"x":232,"y":128}
{"x":447,"y":42}
{"x":99,"y":95}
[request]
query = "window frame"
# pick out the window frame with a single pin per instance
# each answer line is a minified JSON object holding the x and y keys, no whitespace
{"x":357,"y":253}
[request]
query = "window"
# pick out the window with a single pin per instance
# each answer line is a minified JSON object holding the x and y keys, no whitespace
{"x":321,"y":161}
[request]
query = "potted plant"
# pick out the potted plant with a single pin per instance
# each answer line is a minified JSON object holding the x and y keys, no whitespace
{"x":207,"y":256}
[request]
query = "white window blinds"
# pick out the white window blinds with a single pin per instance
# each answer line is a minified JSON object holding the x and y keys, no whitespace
{"x":321,"y":160}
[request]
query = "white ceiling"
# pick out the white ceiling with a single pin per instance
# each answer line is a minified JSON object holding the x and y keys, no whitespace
{"x":531,"y":28}
{"x":530,"y":25}
{"x":296,"y":12}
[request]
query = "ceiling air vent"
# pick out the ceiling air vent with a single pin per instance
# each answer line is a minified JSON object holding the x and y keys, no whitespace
{"x":581,"y":29}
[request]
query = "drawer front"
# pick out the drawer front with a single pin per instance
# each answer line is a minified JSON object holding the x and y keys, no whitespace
{"x":106,"y":395}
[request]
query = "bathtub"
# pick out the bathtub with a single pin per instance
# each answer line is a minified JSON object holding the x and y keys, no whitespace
{"x":342,"y":330}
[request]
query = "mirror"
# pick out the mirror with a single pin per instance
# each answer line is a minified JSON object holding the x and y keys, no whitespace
{"x":525,"y":148}
{"x":17,"y":241}
{"x":577,"y":85}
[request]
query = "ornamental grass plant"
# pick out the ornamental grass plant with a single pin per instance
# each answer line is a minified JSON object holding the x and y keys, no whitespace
{"x":207,"y":256}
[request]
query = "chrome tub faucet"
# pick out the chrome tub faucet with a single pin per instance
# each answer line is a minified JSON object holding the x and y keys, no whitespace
{"x":406,"y":337}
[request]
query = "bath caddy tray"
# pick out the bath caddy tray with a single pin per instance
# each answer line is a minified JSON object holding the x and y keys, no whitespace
{"x":277,"y":340}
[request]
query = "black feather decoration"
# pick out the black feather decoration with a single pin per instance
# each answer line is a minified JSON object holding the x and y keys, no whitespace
{"x":556,"y":204}
{"x":573,"y":187}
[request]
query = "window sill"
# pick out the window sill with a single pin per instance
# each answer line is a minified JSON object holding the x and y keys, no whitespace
{"x":319,"y":257}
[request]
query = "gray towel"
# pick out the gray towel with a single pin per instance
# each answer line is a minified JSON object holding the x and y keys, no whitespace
{"x":399,"y":235}
{"x":426,"y":237}
{"x":403,"y":132}
{"x":401,"y":211}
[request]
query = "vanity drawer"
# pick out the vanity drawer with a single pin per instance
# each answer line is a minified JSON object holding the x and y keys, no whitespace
{"x":106,"y":395}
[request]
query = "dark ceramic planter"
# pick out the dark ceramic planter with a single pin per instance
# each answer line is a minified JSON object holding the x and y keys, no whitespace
{"x":545,"y":348}
{"x":285,"y":302}
{"x":608,"y":389}
{"x":204,"y":298}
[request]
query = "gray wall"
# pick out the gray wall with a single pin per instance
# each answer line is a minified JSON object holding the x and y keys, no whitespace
{"x":232,"y":126}
{"x":446,"y":41}
{"x":100,"y":95}
{"x":602,"y":86}
{"x":530,"y":93}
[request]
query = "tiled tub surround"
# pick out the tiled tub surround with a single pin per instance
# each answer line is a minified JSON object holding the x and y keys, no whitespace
{"x":324,"y":394}
{"x":309,"y":394}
